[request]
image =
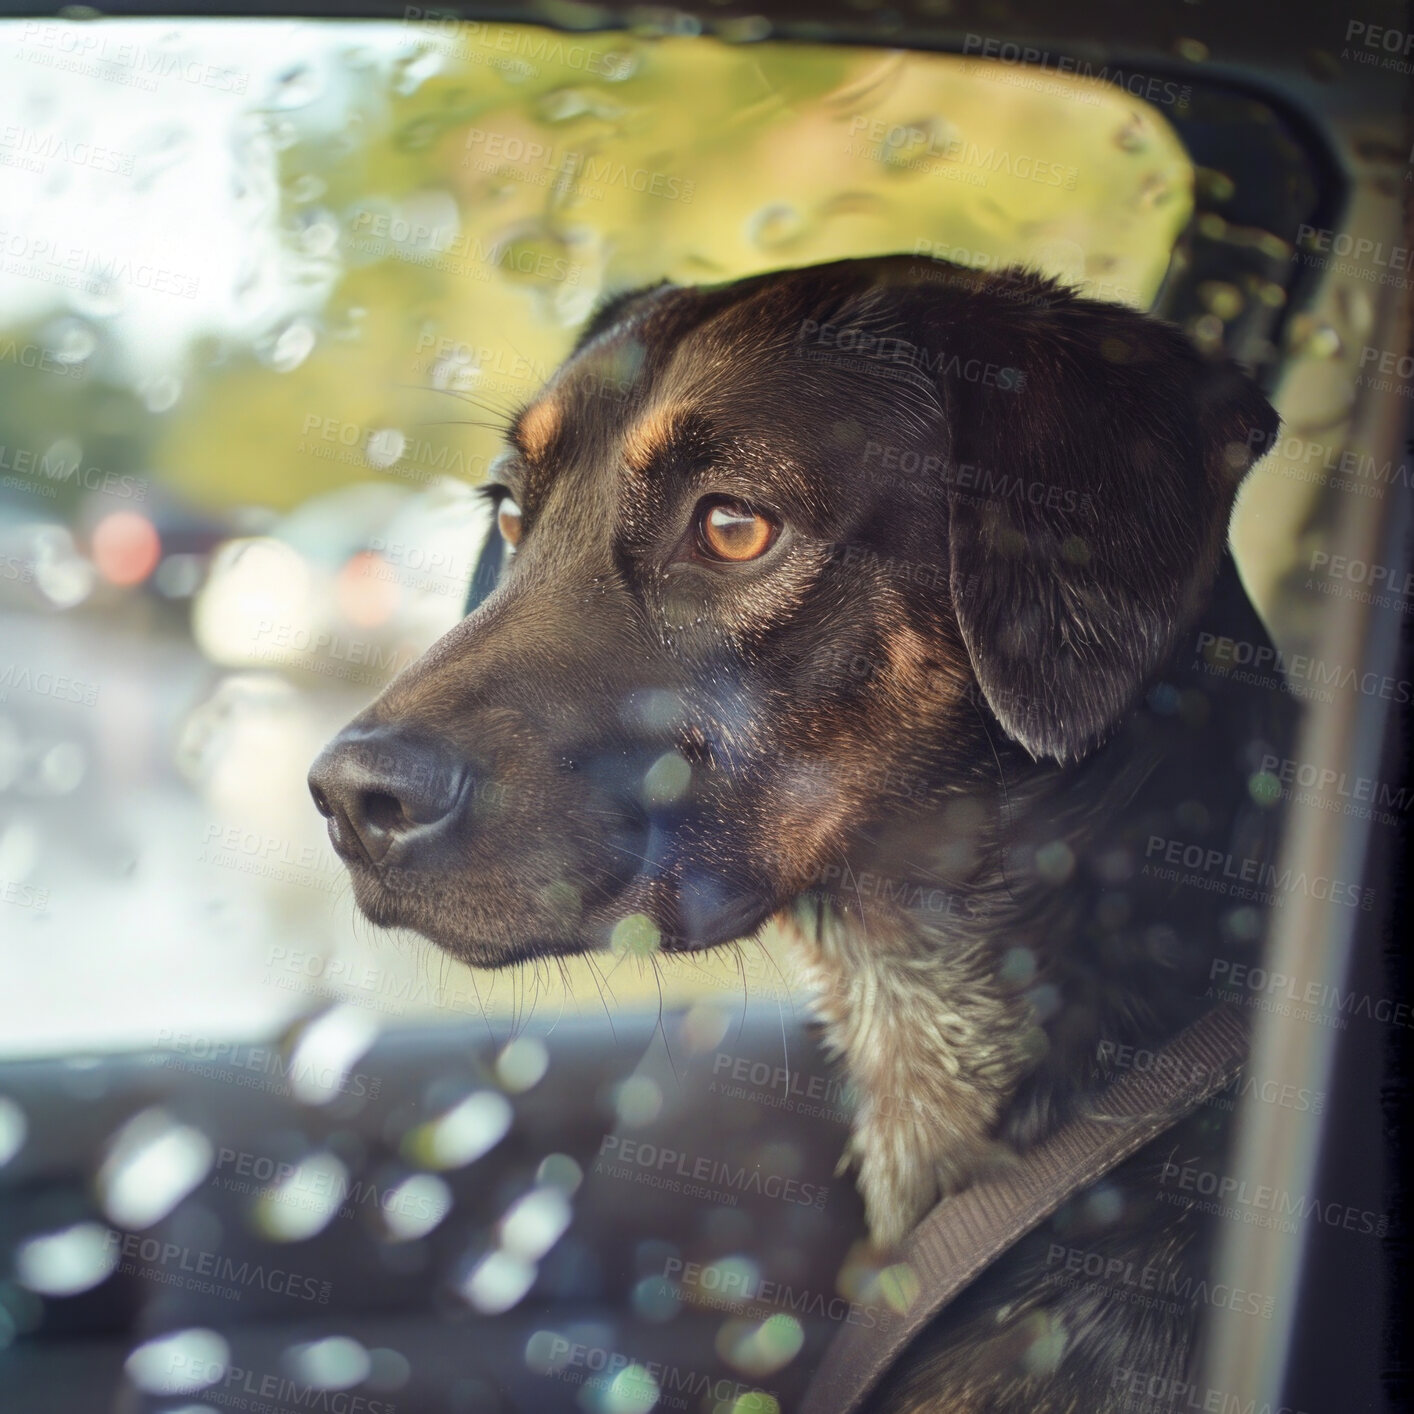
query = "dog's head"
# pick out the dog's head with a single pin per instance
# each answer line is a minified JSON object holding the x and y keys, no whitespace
{"x":777,"y":552}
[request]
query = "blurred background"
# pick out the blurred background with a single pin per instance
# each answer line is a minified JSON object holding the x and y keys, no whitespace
{"x":269,"y":292}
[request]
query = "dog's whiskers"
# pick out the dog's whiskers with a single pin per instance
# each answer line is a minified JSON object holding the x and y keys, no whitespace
{"x":601,"y":982}
{"x":621,"y":849}
{"x":463,"y":395}
{"x":481,"y":1004}
{"x":667,"y":1048}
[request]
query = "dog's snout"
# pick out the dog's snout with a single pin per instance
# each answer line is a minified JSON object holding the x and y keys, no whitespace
{"x":380,"y":790}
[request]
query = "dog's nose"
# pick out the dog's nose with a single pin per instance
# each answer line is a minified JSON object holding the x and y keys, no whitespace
{"x":381,"y":788}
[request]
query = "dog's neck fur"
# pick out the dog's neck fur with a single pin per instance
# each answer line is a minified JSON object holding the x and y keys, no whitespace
{"x":926,"y":988}
{"x":969,"y":961}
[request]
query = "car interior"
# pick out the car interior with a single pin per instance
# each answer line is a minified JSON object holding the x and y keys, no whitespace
{"x":271,"y":281}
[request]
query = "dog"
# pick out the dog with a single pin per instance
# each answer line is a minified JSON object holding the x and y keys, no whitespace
{"x":880,"y":598}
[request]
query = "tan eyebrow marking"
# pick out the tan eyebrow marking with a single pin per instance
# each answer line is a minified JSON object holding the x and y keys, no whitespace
{"x":650,"y":435}
{"x":537,"y":426}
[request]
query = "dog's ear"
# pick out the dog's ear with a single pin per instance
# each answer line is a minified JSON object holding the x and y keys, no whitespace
{"x":1094,"y":457}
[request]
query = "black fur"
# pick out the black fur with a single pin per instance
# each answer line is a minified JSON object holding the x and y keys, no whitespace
{"x":970,"y":665}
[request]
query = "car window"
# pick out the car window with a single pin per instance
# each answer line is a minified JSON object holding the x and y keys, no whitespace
{"x":271,"y":292}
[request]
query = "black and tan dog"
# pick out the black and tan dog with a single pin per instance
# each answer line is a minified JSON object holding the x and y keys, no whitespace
{"x":871,"y":595}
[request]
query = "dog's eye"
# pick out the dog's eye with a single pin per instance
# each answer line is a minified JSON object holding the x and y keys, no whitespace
{"x":730,"y":530}
{"x":509,"y":521}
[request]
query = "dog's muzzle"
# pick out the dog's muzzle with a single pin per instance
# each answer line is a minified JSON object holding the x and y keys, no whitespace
{"x":385,"y":793}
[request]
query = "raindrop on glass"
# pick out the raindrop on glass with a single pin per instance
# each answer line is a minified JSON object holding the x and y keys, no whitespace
{"x":160,"y":394}
{"x":180,"y":1363}
{"x":336,"y":1362}
{"x":295,"y":88}
{"x":68,"y":1262}
{"x":291,"y":346}
{"x":152,"y":1164}
{"x":384,"y":447}
{"x":13,"y":1128}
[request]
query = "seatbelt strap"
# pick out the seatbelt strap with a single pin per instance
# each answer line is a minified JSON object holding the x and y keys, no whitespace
{"x":969,"y":1230}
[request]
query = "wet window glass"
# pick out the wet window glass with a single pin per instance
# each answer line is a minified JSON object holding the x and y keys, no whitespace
{"x":813,"y":876}
{"x":271,"y":294}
